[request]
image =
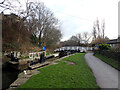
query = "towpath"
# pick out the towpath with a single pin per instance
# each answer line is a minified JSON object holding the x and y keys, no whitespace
{"x":106,"y":76}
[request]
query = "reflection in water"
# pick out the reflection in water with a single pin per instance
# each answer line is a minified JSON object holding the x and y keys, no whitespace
{"x":9,"y":75}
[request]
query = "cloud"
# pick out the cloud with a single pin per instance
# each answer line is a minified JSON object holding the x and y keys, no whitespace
{"x":78,"y":15}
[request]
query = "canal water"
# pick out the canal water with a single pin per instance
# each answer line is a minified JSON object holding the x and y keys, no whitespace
{"x":9,"y":75}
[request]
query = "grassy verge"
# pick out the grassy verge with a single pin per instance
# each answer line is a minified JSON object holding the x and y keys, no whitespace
{"x":113,"y":63}
{"x":63,"y":75}
{"x":24,"y":57}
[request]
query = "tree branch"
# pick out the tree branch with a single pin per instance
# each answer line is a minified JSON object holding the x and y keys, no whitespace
{"x":2,"y":2}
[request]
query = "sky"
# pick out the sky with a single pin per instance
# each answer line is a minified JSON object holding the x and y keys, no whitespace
{"x":78,"y":16}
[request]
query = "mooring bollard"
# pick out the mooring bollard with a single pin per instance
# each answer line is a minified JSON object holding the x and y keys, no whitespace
{"x":25,"y":72}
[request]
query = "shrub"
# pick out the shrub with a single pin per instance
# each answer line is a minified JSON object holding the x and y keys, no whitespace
{"x":104,"y":46}
{"x":12,"y":46}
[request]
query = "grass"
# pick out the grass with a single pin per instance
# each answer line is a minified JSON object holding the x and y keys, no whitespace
{"x":49,"y":53}
{"x":63,"y":75}
{"x":24,"y":57}
{"x":113,"y":63}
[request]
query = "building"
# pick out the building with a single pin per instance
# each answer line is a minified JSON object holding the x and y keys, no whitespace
{"x":114,"y":42}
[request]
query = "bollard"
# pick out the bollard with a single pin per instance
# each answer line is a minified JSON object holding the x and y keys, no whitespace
{"x":12,"y":56}
{"x":41,"y":58}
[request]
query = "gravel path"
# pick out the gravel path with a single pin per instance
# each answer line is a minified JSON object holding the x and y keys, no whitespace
{"x":106,"y":76}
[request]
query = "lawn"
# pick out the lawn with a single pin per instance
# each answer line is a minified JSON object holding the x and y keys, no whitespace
{"x":63,"y":75}
{"x":113,"y":63}
{"x":49,"y":53}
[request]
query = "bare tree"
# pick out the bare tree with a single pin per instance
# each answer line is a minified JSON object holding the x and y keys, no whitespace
{"x":2,"y":2}
{"x":99,"y":33}
{"x":86,"y":37}
{"x":94,"y":32}
{"x":46,"y":20}
{"x":79,"y":36}
{"x":98,"y":28}
{"x":8,"y":5}
{"x":103,"y":29}
{"x":38,"y":20}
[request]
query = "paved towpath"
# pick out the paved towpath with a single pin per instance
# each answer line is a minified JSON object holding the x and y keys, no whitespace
{"x":106,"y":76}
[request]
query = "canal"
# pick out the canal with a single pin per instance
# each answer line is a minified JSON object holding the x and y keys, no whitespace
{"x":9,"y":75}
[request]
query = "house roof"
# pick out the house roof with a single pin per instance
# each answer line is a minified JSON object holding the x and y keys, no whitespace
{"x":113,"y":41}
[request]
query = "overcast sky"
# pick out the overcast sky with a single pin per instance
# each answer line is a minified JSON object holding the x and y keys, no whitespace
{"x":77,"y":16}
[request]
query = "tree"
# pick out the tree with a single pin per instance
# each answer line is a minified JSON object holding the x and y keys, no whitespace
{"x":99,"y":33}
{"x":36,"y":22}
{"x":86,"y":37}
{"x":103,"y":29}
{"x":94,"y":32}
{"x":10,"y":32}
{"x":8,"y":5}
{"x":98,"y":28}
{"x":80,"y":39}
{"x":79,"y":36}
{"x":41,"y":20}
{"x":51,"y":37}
{"x":46,"y":20}
{"x":73,"y":41}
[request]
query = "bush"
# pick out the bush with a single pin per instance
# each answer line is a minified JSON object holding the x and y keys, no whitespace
{"x":11,"y":46}
{"x":104,"y":46}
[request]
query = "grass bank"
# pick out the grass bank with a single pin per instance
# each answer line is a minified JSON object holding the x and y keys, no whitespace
{"x":64,"y":75}
{"x":113,"y":63}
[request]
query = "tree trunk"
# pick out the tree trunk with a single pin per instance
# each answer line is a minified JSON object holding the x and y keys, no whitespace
{"x":40,"y":42}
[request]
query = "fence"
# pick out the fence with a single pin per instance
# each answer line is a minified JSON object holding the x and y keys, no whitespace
{"x":36,"y":54}
{"x":109,"y":54}
{"x":75,"y":48}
